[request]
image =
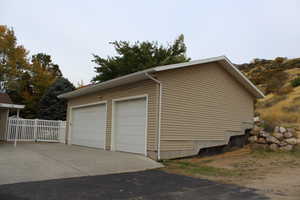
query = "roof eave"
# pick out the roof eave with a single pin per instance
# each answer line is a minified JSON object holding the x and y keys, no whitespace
{"x":16,"y":106}
{"x":137,"y":76}
{"x":130,"y":78}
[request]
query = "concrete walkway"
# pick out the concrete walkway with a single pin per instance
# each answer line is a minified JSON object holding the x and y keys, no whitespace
{"x":45,"y":161}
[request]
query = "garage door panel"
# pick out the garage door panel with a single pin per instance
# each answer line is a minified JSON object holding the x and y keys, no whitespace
{"x":131,"y":129}
{"x":140,"y":122}
{"x":88,"y":126}
{"x":131,"y":137}
{"x":127,"y":148}
{"x":130,"y":125}
{"x":87,"y":143}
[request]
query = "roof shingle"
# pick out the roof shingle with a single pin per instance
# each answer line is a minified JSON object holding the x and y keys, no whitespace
{"x":4,"y":98}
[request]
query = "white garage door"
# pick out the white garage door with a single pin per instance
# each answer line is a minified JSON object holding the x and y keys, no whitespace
{"x":88,"y":126}
{"x":130,"y":126}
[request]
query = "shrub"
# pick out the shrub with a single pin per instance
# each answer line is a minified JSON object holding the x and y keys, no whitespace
{"x":291,"y":108}
{"x":277,"y":79}
{"x":296,"y":82}
{"x":285,"y":90}
{"x":269,"y":123}
{"x":270,"y":102}
{"x":292,"y":118}
{"x":280,"y":59}
{"x":296,"y":99}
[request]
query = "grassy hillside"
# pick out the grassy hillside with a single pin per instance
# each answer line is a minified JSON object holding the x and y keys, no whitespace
{"x":279,"y":79}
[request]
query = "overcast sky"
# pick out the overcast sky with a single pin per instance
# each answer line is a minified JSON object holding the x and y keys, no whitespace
{"x":71,"y":31}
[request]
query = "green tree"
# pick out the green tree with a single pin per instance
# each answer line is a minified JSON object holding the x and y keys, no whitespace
{"x":138,"y":56}
{"x":51,"y":107}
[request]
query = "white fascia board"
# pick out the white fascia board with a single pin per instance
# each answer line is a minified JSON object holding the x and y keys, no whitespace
{"x":186,"y":64}
{"x":4,"y":105}
{"x":130,"y":78}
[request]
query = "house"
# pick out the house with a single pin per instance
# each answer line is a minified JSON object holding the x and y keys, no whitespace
{"x":164,"y":112}
{"x":6,"y":105}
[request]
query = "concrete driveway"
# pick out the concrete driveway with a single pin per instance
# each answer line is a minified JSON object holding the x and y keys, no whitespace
{"x":45,"y":161}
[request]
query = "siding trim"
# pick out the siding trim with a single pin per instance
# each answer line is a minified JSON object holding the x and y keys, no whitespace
{"x":192,"y":139}
{"x":160,"y":85}
{"x":112,"y":143}
{"x":81,"y":106}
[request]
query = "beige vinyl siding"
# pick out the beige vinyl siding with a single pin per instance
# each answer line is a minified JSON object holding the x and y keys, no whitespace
{"x":3,"y":123}
{"x":175,"y":145}
{"x":140,"y":88}
{"x":201,"y":103}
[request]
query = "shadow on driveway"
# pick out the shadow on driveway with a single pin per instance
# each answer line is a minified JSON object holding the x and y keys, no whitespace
{"x":146,"y":185}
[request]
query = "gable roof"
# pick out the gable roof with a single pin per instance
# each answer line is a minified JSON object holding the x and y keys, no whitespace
{"x":142,"y":75}
{"x":4,"y":98}
{"x":6,"y":102}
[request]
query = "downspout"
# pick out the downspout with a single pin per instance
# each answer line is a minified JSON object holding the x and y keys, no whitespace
{"x":159,"y":112}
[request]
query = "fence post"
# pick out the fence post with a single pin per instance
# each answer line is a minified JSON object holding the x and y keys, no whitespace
{"x":60,"y":132}
{"x":7,"y":129}
{"x":35,"y":130}
{"x":18,"y":125}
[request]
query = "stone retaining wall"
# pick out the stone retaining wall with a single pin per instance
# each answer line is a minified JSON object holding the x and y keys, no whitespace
{"x":281,"y":138}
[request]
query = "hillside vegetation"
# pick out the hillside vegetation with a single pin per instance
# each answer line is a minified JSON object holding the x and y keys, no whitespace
{"x":279,"y":79}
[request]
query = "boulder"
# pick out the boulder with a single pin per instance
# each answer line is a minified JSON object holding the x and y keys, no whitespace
{"x":291,"y":141}
{"x":298,"y":141}
{"x":252,"y":139}
{"x":282,"y":143}
{"x":255,"y":131}
{"x":279,"y":136}
{"x":288,"y":134}
{"x":292,"y":130}
{"x":272,"y":139}
{"x":276,"y":129}
{"x":273,"y":147}
{"x":261,"y":140}
{"x":282,"y":129}
{"x":264,"y":134}
{"x":286,"y":148}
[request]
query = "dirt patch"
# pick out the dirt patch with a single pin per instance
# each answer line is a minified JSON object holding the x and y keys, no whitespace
{"x":275,"y":174}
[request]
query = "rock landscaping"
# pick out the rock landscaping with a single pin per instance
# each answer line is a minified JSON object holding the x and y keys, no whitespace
{"x":281,"y":139}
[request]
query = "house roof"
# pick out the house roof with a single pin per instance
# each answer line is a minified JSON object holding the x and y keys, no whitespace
{"x":6,"y":102}
{"x":4,"y":98}
{"x":142,"y":75}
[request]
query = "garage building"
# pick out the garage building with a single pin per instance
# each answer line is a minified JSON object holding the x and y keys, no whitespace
{"x":164,"y":112}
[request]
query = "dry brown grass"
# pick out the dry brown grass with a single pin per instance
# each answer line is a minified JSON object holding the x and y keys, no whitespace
{"x":276,"y":174}
{"x":293,"y":72}
{"x":281,"y":109}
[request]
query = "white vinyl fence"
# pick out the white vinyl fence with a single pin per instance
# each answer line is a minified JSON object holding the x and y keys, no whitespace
{"x":35,"y":130}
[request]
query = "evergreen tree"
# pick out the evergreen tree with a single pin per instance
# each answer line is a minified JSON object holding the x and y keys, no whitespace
{"x":52,"y":108}
{"x":137,"y":57}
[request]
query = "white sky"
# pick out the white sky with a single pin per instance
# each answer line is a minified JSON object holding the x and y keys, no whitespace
{"x":71,"y":31}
